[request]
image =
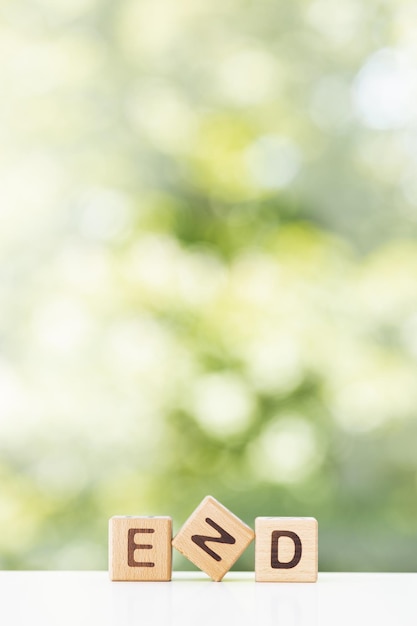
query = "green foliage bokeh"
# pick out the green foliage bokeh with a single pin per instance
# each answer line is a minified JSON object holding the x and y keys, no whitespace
{"x":208,"y":272}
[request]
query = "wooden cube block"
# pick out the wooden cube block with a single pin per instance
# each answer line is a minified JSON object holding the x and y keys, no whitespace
{"x":286,"y":549}
{"x":213,"y":538}
{"x":140,"y":548}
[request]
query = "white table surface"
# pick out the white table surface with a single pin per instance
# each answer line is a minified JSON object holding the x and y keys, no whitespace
{"x":89,"y":598}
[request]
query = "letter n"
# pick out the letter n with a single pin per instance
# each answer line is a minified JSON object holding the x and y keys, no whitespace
{"x":224,"y":537}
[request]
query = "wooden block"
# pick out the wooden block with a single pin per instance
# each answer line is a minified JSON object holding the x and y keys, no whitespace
{"x":286,"y":549}
{"x":213,"y":538}
{"x":140,"y":548}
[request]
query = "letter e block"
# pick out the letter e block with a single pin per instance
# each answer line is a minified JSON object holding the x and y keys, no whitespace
{"x":286,"y":549}
{"x":213,"y":538}
{"x":140,"y":548}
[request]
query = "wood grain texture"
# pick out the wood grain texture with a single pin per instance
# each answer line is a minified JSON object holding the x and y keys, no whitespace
{"x":213,"y":538}
{"x":140,"y":548}
{"x":286,"y":549}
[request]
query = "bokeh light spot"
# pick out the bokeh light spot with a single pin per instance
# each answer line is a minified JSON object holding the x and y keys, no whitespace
{"x":273,"y":161}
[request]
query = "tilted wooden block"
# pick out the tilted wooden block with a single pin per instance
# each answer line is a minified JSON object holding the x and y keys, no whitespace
{"x":213,"y":538}
{"x":140,"y":548}
{"x":286,"y":549}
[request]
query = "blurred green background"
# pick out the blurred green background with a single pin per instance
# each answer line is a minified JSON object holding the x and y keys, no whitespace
{"x":208,"y":271}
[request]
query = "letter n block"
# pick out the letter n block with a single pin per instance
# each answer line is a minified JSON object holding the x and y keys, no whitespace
{"x":213,"y":538}
{"x":140,"y":548}
{"x":286,"y":549}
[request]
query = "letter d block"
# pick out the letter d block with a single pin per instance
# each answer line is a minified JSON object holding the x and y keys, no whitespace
{"x":286,"y":549}
{"x":140,"y":548}
{"x":213,"y":538}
